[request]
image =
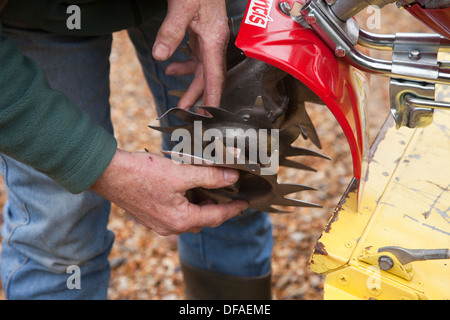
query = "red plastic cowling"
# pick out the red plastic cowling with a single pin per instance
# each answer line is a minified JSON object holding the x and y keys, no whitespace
{"x":436,"y":19}
{"x":271,"y":36}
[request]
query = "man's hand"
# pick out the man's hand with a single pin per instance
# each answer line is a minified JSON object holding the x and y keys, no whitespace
{"x":152,"y":189}
{"x":207,"y":24}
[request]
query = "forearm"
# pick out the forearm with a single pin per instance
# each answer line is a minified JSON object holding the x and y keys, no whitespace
{"x":39,"y":126}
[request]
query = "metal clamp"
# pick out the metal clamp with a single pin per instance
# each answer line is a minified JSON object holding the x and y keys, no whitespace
{"x":342,"y":37}
{"x":405,"y":256}
{"x":406,"y":114}
{"x":396,"y":260}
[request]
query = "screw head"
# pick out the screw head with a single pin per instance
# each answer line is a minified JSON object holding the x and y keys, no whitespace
{"x":340,"y":52}
{"x":415,"y":55}
{"x":385,"y":263}
{"x":285,"y":7}
{"x":310,"y":19}
{"x":343,"y":280}
{"x":375,"y":290}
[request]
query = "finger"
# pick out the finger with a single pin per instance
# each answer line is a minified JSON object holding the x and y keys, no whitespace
{"x":214,"y":77}
{"x":173,"y":28}
{"x":213,"y":52}
{"x":181,"y":68}
{"x":213,"y":215}
{"x":194,"y":92}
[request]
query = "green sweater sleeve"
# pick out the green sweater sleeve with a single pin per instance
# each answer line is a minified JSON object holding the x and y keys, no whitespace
{"x":40,"y":127}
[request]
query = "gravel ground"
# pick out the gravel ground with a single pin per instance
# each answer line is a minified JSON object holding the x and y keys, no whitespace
{"x":145,"y":265}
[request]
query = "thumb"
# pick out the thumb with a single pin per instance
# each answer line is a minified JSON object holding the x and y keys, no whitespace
{"x":173,"y":29}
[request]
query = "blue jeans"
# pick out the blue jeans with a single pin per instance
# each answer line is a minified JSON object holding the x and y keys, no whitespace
{"x":46,"y":229}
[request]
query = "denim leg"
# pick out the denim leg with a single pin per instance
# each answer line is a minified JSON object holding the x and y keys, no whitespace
{"x":47,"y":229}
{"x":242,"y":246}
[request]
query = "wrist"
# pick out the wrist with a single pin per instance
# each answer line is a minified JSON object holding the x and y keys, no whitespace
{"x":110,"y":178}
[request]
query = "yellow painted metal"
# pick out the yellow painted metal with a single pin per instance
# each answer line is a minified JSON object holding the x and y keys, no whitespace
{"x":405,"y":203}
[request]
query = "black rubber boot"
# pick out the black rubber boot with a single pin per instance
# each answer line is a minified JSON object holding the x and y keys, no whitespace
{"x":208,"y":285}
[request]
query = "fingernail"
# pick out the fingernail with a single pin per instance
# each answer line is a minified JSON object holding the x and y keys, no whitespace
{"x":231,"y":175}
{"x":161,"y":52}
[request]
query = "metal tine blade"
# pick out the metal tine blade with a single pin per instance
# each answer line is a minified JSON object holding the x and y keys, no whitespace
{"x":287,"y":188}
{"x":187,"y":158}
{"x":310,"y":129}
{"x":185,"y":115}
{"x":299,"y":113}
{"x":296,"y":165}
{"x":191,"y":159}
{"x":297,"y":151}
{"x":291,"y":133}
{"x":270,"y":209}
{"x":258,"y":114}
{"x":168,"y":129}
{"x":258,"y":108}
{"x":295,"y":203}
{"x":275,"y":210}
{"x":220,"y":114}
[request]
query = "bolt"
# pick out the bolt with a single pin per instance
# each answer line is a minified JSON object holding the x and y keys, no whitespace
{"x":310,"y":19}
{"x":415,"y":55}
{"x":340,"y":52}
{"x":331,"y":2}
{"x":400,"y":5}
{"x":385,"y":263}
{"x":285,"y":7}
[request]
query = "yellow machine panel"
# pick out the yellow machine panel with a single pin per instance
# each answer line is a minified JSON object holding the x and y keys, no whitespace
{"x":395,"y":245}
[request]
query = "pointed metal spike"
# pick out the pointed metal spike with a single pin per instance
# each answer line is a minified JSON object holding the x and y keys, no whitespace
{"x":299,"y":115}
{"x":166,"y":129}
{"x":297,"y":151}
{"x":275,"y":210}
{"x":312,"y":135}
{"x":177,"y":93}
{"x":258,"y":112}
{"x":295,"y":203}
{"x":268,"y":209}
{"x":259,"y":103}
{"x":286,"y":188}
{"x":291,"y":133}
{"x":309,"y":126}
{"x":293,"y":164}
